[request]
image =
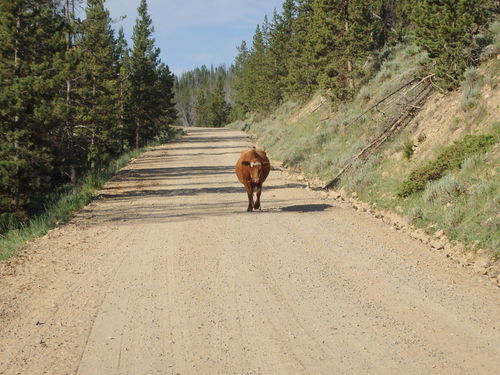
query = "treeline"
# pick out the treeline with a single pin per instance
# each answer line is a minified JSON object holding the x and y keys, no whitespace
{"x":327,"y":44}
{"x":203,"y":95}
{"x":73,"y":96}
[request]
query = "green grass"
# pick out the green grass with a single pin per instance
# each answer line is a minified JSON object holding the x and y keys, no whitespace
{"x":61,"y":207}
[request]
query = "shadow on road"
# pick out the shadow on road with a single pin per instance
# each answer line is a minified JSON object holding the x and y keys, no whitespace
{"x":149,"y":174}
{"x":307,"y":208}
{"x":187,"y":191}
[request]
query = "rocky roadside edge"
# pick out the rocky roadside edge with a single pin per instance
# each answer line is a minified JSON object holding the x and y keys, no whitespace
{"x":479,"y":261}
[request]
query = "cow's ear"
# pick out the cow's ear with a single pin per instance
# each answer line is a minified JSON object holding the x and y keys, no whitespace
{"x":247,"y":163}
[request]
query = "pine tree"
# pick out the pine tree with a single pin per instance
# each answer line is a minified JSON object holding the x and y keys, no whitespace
{"x":218,"y":108}
{"x":143,"y":62}
{"x":99,"y":93}
{"x":259,"y":75}
{"x":445,"y":29}
{"x":280,"y":45}
{"x":64,"y":102}
{"x":184,"y":98}
{"x":327,"y":37}
{"x":165,"y":100}
{"x":70,"y":151}
{"x":31,"y":34}
{"x":302,"y":78}
{"x":201,"y":109}
{"x":394,"y":16}
{"x":343,"y":34}
{"x":124,"y":101}
{"x":240,"y":84}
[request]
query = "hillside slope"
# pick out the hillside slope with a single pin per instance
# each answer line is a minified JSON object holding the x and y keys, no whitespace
{"x":455,"y":133}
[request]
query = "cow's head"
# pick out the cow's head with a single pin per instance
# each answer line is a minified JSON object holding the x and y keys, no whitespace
{"x":255,"y":169}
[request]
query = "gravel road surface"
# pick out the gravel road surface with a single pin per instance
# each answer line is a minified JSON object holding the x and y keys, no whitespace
{"x":166,"y":273}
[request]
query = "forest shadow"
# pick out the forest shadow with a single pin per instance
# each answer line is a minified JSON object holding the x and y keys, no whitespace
{"x":145,"y":193}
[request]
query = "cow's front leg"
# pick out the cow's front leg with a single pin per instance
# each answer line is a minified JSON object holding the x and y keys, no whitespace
{"x":257,"y":201}
{"x":250,"y":200}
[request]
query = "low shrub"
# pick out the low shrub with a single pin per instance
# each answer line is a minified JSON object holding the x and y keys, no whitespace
{"x":483,"y":188}
{"x":408,"y":149}
{"x":443,"y":190}
{"x":470,"y":98}
{"x":453,"y":217}
{"x":364,"y":95}
{"x":471,"y":162}
{"x":472,"y":85}
{"x":415,"y":213}
{"x":450,"y":158}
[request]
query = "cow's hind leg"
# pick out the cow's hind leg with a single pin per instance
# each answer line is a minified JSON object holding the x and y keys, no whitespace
{"x":257,"y":201}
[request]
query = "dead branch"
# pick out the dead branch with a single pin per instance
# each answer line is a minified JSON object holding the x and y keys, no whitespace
{"x":398,"y":123}
{"x":381,"y":101}
{"x":318,"y":106}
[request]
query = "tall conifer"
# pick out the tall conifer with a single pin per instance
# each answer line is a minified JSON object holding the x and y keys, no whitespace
{"x":143,"y":77}
{"x":302,"y":78}
{"x":31,"y":34}
{"x":99,"y":91}
{"x":343,"y":34}
{"x":280,"y":44}
{"x":124,"y":102}
{"x":445,"y":29}
{"x":218,"y":108}
{"x":240,"y":83}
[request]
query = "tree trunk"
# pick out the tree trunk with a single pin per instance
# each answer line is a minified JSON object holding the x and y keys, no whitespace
{"x":69,"y":12}
{"x":72,"y":174}
{"x":16,"y":114}
{"x":137,"y":132}
{"x":350,"y":80}
{"x":69,"y":41}
{"x":16,"y":48}
{"x":122,"y":116}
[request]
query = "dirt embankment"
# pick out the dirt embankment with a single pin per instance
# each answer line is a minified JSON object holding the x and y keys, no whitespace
{"x":166,"y":273}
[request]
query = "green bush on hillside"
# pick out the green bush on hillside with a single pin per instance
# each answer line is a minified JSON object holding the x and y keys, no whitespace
{"x":450,"y":158}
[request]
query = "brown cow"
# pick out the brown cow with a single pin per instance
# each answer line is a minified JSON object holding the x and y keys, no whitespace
{"x":252,"y":169}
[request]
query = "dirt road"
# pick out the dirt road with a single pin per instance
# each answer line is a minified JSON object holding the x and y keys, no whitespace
{"x":166,"y":273}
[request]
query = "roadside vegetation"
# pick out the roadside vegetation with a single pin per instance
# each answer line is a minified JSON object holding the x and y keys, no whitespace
{"x":449,"y":159}
{"x":439,"y":169}
{"x":75,"y":101}
{"x":60,"y":207}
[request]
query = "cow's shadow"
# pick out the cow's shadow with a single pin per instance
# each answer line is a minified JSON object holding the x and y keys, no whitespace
{"x":303,"y":208}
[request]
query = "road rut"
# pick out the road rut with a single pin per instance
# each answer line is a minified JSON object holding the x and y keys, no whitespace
{"x":166,"y":273}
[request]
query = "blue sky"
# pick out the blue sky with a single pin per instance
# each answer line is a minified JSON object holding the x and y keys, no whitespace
{"x":191,"y":33}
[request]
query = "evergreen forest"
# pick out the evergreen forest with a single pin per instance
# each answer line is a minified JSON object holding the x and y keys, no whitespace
{"x":203,"y":95}
{"x":335,"y":46}
{"x":73,"y":97}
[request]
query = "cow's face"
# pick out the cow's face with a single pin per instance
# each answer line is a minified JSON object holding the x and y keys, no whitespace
{"x":255,"y":170}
